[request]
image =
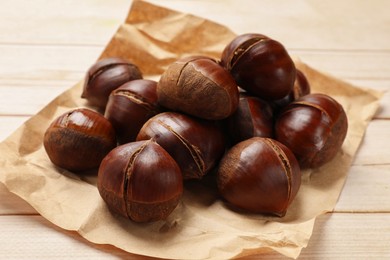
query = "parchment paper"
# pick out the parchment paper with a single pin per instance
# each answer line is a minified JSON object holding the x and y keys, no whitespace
{"x":201,"y":227}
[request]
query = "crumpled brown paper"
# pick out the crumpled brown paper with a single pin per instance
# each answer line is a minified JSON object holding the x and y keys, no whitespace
{"x":201,"y":227}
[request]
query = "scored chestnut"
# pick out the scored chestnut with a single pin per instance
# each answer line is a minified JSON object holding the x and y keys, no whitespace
{"x":260,"y":65}
{"x":106,"y":75}
{"x":140,"y":181}
{"x":130,"y":106}
{"x":313,"y":127}
{"x":301,"y":88}
{"x":79,"y":139}
{"x":195,"y":144}
{"x":259,"y":175}
{"x":253,"y":117}
{"x":198,"y":86}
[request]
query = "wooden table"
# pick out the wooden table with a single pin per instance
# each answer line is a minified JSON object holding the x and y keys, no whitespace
{"x":47,"y":46}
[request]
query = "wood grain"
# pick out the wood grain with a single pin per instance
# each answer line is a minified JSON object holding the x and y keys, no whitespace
{"x":46,"y":47}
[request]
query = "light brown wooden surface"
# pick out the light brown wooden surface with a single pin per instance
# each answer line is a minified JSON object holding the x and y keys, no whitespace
{"x":46,"y":47}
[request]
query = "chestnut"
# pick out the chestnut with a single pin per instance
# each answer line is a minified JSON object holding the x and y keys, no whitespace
{"x":253,"y":117}
{"x":301,"y":88}
{"x":106,"y":75}
{"x":140,"y":181}
{"x":259,"y":175}
{"x":260,"y":65}
{"x":313,"y":127}
{"x":79,"y":139}
{"x":198,"y":86}
{"x":130,"y":106}
{"x":196,"y":145}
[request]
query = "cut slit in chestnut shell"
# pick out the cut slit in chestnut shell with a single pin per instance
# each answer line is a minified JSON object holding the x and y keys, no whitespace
{"x":314,"y":128}
{"x":260,"y":65}
{"x":130,"y":106}
{"x":195,"y":144}
{"x":106,"y":75}
{"x":253,"y":117}
{"x":140,"y":181}
{"x":259,"y":175}
{"x":301,"y":88}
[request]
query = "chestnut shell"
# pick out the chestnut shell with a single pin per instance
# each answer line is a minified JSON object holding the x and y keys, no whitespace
{"x":198,"y":86}
{"x":314,"y":128}
{"x":253,"y":117}
{"x":140,"y":181}
{"x":130,"y":106}
{"x":79,"y":139}
{"x":106,"y":75}
{"x":195,"y":144}
{"x":301,"y":88}
{"x":259,"y":175}
{"x":260,"y":65}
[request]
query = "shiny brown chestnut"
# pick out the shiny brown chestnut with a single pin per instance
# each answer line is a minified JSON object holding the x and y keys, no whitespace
{"x":313,"y":127}
{"x":253,"y":117}
{"x":260,"y":65}
{"x":259,"y":175}
{"x":130,"y":106}
{"x":106,"y":75}
{"x":79,"y":139}
{"x":301,"y":88}
{"x":195,"y":144}
{"x":140,"y":181}
{"x":198,"y":86}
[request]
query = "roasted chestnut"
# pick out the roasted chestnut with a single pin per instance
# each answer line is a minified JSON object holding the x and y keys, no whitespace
{"x":140,"y":181}
{"x":196,"y":145}
{"x":253,"y":117}
{"x":260,"y":65}
{"x":79,"y":139}
{"x":313,"y":127}
{"x":301,"y":88}
{"x":198,"y":86}
{"x":130,"y":106}
{"x":259,"y":175}
{"x":106,"y":75}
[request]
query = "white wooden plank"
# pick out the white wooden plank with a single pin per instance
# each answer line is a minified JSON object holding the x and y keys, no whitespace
{"x":367,"y":189}
{"x":60,"y":22}
{"x":375,"y":146}
{"x":22,"y":61}
{"x":310,"y":24}
{"x":26,"y":100}
{"x":350,"y":236}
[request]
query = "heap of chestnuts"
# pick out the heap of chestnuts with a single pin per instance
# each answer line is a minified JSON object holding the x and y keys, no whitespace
{"x":249,"y":119}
